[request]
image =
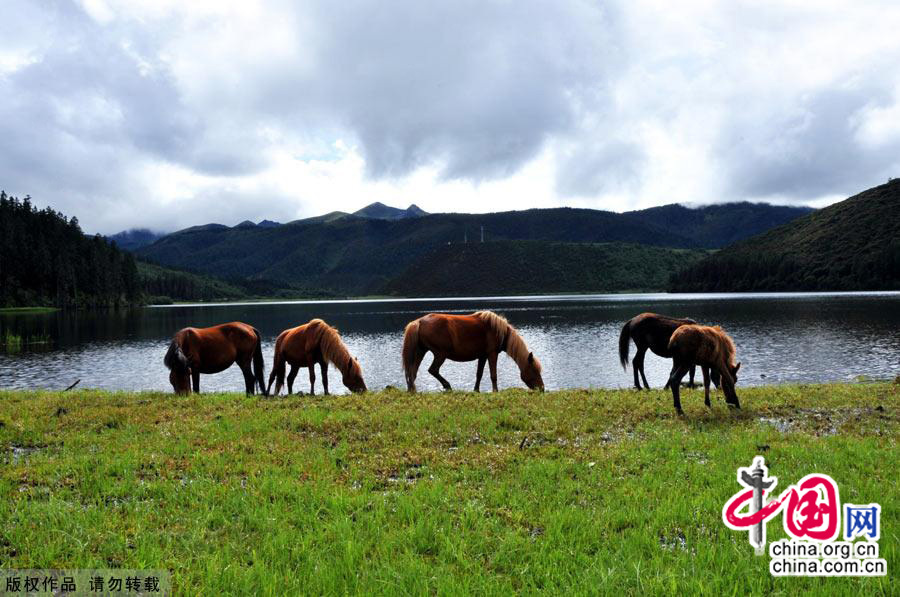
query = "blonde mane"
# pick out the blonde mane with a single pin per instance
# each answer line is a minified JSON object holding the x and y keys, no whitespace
{"x":333,"y":348}
{"x":725,"y":344}
{"x":515,"y":345}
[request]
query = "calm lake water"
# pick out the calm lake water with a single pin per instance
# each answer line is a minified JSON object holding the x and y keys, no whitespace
{"x":780,"y":338}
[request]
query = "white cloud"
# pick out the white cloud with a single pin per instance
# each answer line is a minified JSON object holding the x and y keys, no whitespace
{"x":170,"y":114}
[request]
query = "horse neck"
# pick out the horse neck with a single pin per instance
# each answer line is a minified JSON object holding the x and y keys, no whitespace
{"x":334,"y":350}
{"x":516,"y":348}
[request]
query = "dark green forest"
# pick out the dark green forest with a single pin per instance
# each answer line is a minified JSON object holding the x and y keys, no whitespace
{"x":534,"y":267}
{"x":851,"y":245}
{"x":46,"y":260}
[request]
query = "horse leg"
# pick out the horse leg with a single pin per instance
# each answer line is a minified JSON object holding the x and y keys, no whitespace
{"x":324,"y":366}
{"x":638,"y":365}
{"x":705,"y":384}
{"x":312,"y":379}
{"x":414,"y":370}
{"x":195,"y":381}
{"x":249,"y":381}
{"x":292,"y":375}
{"x":479,"y":373}
{"x":675,"y":383}
{"x":691,"y":378}
{"x":435,"y":370}
{"x":492,"y":364}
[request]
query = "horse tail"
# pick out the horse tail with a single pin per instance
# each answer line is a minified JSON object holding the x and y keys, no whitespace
{"x":175,"y":359}
{"x":410,"y":347}
{"x":624,"y":342}
{"x":278,"y":366}
{"x":259,"y":366}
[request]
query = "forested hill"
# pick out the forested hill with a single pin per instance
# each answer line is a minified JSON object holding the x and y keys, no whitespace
{"x":714,"y":226}
{"x":351,"y":255}
{"x":345,"y":254}
{"x":851,"y":245}
{"x":536,"y":267}
{"x":46,"y":260}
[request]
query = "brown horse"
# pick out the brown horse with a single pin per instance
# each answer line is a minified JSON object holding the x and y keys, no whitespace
{"x":480,"y":336}
{"x":211,"y":350}
{"x":710,"y":347}
{"x":308,"y":344}
{"x":649,"y":330}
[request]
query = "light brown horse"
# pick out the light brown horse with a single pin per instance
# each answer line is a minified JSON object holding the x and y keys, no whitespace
{"x":649,"y":330}
{"x":309,"y":344}
{"x":711,"y":348}
{"x":211,"y":350}
{"x":481,"y":336}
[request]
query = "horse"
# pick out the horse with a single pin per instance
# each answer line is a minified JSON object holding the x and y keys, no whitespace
{"x":649,"y":330}
{"x":308,"y":344}
{"x":211,"y":350}
{"x":710,"y":347}
{"x":480,"y":336}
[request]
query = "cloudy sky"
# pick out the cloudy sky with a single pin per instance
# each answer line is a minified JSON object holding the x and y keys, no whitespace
{"x":166,"y":113}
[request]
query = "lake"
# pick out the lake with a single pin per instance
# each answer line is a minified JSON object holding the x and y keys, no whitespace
{"x":794,"y":337}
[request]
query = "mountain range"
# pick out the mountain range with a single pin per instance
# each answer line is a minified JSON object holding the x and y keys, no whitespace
{"x":378,"y":249}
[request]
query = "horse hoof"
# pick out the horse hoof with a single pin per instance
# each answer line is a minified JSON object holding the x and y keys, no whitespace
{"x":679,"y":412}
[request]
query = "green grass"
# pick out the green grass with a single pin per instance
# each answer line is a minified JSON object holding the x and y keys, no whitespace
{"x":18,"y":310}
{"x":573,"y":491}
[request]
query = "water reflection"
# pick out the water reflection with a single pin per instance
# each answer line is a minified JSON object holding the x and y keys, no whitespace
{"x":780,"y":338}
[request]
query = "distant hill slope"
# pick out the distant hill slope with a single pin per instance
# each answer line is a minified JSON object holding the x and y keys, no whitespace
{"x":131,"y":240}
{"x":534,"y":267}
{"x":380,"y":211}
{"x":851,"y":245}
{"x":720,"y":225}
{"x":354,"y":255}
{"x":164,"y":285}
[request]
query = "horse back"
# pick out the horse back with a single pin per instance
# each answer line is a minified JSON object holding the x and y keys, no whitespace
{"x":457,"y":337}
{"x":216,"y":348}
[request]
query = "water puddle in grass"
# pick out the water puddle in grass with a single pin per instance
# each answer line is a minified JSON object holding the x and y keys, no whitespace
{"x":824,"y":422}
{"x":676,"y":541}
{"x":17,"y":454}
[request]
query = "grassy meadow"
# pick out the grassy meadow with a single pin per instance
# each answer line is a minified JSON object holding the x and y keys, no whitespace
{"x":584,"y":491}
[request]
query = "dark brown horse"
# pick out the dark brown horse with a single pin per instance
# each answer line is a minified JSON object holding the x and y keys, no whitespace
{"x":712,"y":349}
{"x":211,"y":350}
{"x":649,"y":330}
{"x":314,"y":343}
{"x":481,"y":336}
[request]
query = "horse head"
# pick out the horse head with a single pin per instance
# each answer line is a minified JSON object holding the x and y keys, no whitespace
{"x":352,"y":376}
{"x":531,"y":373}
{"x":179,"y":369}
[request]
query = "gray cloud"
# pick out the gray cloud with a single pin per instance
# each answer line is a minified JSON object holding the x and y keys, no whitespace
{"x":174,"y":117}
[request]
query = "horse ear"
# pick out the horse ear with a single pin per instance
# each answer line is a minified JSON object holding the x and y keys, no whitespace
{"x":531,"y":357}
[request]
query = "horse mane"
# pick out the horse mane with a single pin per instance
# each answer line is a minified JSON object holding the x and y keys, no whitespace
{"x":175,"y":359}
{"x":515,"y":346}
{"x":333,"y":348}
{"x":725,"y":343}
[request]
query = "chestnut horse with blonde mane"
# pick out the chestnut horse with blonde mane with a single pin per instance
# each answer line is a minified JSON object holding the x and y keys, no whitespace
{"x":211,"y":350}
{"x":309,"y":344}
{"x":712,"y":349}
{"x":481,"y":336}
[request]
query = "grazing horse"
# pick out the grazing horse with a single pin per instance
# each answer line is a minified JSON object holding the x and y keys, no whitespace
{"x":648,"y":330}
{"x":711,"y":348}
{"x":210,"y":350}
{"x":308,"y":344}
{"x":480,"y":336}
